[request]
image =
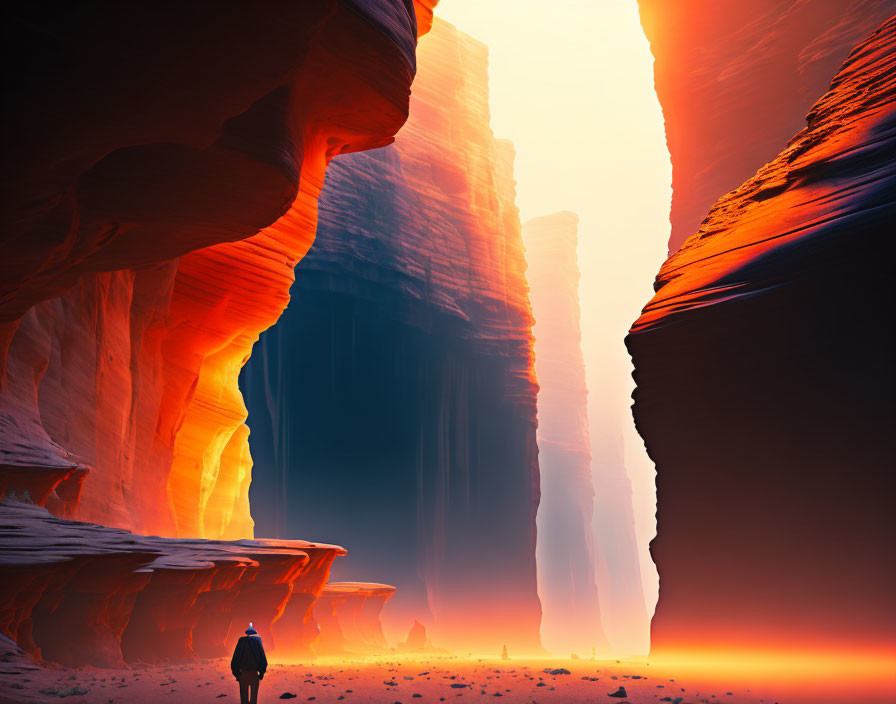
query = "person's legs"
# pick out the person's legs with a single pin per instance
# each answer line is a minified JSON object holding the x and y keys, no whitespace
{"x":244,"y":688}
{"x":248,"y":687}
{"x":254,"y":685}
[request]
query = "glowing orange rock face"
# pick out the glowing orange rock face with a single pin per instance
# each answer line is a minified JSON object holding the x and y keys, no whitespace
{"x":765,"y":392}
{"x":566,"y":575}
{"x":348,"y":616}
{"x":735,"y":79}
{"x":836,"y":167}
{"x":133,"y":296}
{"x":423,"y":10}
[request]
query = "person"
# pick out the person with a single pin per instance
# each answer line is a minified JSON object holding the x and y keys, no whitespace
{"x":248,"y":665}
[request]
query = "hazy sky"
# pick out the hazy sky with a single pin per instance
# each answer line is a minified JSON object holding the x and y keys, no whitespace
{"x":572,"y":85}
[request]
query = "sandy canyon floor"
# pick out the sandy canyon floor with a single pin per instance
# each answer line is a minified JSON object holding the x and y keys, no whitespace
{"x":436,"y":679}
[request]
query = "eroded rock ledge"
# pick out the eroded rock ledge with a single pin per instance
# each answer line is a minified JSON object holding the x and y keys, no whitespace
{"x":348,"y":617}
{"x":81,"y":594}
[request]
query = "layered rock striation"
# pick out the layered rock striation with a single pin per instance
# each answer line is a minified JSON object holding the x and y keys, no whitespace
{"x":151,"y":231}
{"x":565,"y":551}
{"x":765,"y":391}
{"x":734,"y":80}
{"x":398,"y":387}
{"x":82,"y":594}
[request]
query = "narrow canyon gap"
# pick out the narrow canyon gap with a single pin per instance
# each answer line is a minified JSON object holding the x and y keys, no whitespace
{"x":588,"y":129}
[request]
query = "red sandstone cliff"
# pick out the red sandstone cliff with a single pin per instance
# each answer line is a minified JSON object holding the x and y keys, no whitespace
{"x":151,"y":232}
{"x":765,"y":391}
{"x":565,"y":552}
{"x":167,"y":166}
{"x":735,"y":78}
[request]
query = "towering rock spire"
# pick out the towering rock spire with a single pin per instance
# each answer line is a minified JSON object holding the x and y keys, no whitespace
{"x":566,"y":575}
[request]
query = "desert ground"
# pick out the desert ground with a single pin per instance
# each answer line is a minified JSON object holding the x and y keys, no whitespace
{"x":433,"y":679}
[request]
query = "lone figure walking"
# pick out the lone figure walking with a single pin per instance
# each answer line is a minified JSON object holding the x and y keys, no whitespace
{"x":248,"y":665}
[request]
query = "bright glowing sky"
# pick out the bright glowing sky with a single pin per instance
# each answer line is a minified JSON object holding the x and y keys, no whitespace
{"x":572,"y":85}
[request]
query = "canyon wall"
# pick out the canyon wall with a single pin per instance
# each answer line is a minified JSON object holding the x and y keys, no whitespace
{"x":393,"y":406}
{"x":735,"y":78}
{"x":765,"y":389}
{"x":167,"y":164}
{"x":151,"y":232}
{"x":565,"y":552}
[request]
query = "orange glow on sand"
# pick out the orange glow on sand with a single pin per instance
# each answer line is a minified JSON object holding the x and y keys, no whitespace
{"x":790,"y":679}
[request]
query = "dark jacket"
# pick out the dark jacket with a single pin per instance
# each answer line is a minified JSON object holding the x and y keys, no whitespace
{"x":249,"y":655}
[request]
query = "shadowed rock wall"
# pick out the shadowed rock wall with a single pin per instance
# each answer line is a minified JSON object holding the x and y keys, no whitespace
{"x":393,"y":407}
{"x":765,"y":391}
